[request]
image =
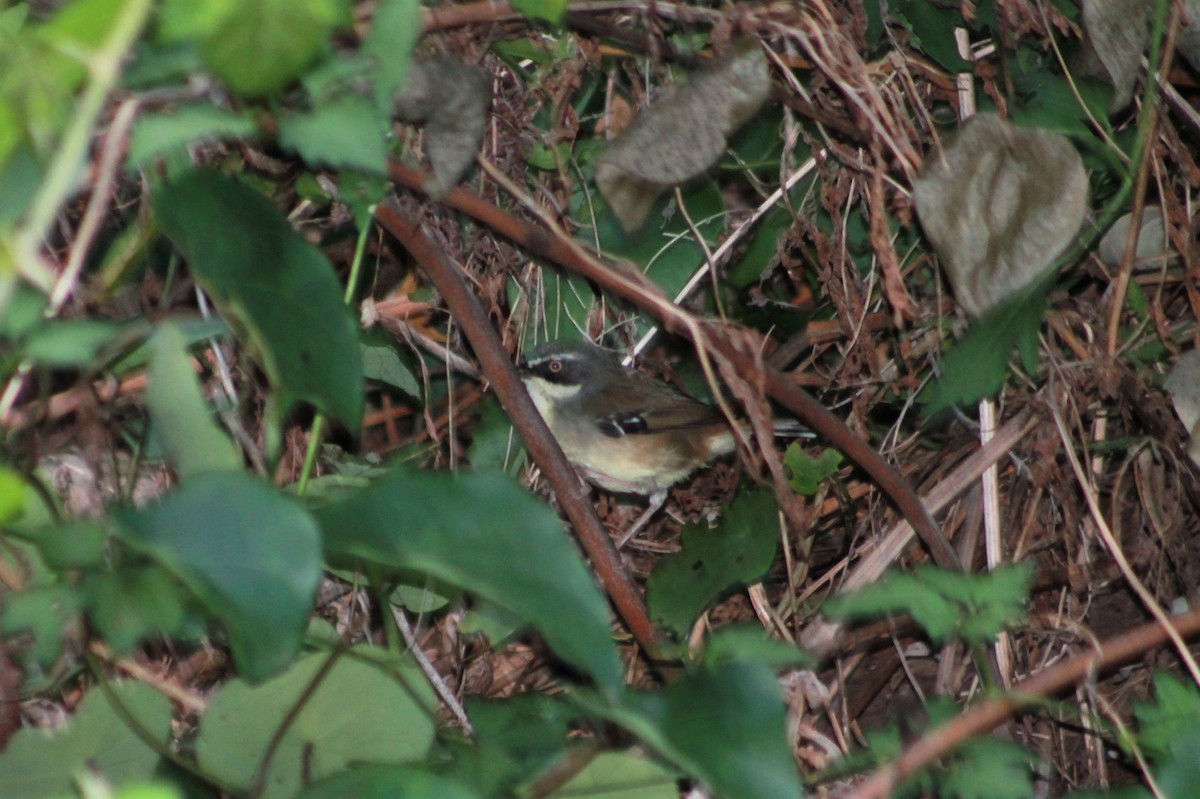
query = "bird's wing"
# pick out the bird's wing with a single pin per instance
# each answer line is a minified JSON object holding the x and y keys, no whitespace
{"x":655,"y":411}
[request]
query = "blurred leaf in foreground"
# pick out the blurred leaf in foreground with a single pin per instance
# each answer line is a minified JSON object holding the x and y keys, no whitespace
{"x":279,"y":287}
{"x":486,"y":534}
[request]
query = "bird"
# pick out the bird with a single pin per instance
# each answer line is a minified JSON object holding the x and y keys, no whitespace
{"x":622,"y":430}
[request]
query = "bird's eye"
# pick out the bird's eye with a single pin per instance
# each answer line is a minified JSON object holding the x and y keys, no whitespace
{"x":555,"y":367}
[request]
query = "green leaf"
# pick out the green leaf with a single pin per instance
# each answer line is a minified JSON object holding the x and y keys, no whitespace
{"x":74,"y":343}
{"x":933,"y":31}
{"x":129,"y":605}
{"x":751,"y":644}
{"x":381,"y":362}
{"x":977,"y":366}
{"x":357,"y":712}
{"x":395,"y":29}
{"x":281,"y":289}
{"x":808,"y":472}
{"x":387,"y":782}
{"x":973,"y":607}
{"x":159,"y":133}
{"x":1175,"y":710}
{"x":737,"y":553}
{"x":12,"y":495}
{"x":515,"y":739}
{"x":36,"y":765}
{"x":250,"y":554}
{"x":986,"y":768}
{"x":44,"y":612}
{"x":620,"y":775}
{"x":725,"y":725}
{"x":255,"y":46}
{"x":192,"y":440}
{"x":495,"y":445}
{"x":347,"y":132}
{"x":551,"y":11}
{"x":486,"y":534}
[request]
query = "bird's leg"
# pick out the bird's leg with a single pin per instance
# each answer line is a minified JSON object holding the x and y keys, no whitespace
{"x":657,"y":500}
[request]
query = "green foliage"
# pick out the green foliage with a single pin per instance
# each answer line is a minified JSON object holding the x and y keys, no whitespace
{"x":36,"y":765}
{"x":269,"y":278}
{"x":386,"y":782}
{"x":501,"y":543}
{"x":971,"y":607}
{"x":736,"y":553}
{"x":978,"y":364}
{"x":551,"y":11}
{"x":363,"y":708}
{"x":749,"y":759}
{"x":193,"y":442}
{"x":250,"y":554}
{"x":257,"y":46}
{"x":808,"y":473}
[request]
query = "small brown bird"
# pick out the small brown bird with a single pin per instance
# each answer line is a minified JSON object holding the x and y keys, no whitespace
{"x":625,"y":432}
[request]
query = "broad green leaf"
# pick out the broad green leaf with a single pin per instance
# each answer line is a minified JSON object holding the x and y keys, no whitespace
{"x":623,"y":775}
{"x":551,"y":11}
{"x":358,"y":712}
{"x":713,"y":562}
{"x":932,"y":31}
{"x":486,"y":534}
{"x":387,"y":782}
{"x":73,"y":343}
{"x":752,"y":644}
{"x":973,"y":607}
{"x":808,"y":472}
{"x":977,"y":365}
{"x":250,"y":554}
{"x":192,"y":440}
{"x":44,"y":612}
{"x":515,"y":739}
{"x":159,"y":133}
{"x":129,"y":605}
{"x":395,"y":29}
{"x":381,"y":362}
{"x":37,"y":764}
{"x":279,"y":287}
{"x":256,"y":46}
{"x":725,"y":725}
{"x":347,"y":132}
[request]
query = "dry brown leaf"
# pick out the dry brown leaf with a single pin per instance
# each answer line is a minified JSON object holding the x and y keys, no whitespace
{"x":684,"y":133}
{"x":1000,"y":204}
{"x":1183,"y":384}
{"x":1151,"y":249}
{"x":452,"y":100}
{"x":1188,"y":41}
{"x":1119,"y":33}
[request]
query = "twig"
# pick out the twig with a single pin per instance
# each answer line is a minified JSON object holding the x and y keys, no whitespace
{"x":992,"y":713}
{"x":439,"y":685}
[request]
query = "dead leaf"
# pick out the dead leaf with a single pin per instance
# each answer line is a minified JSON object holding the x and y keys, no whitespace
{"x":684,"y":133}
{"x":1151,"y":249}
{"x":452,"y":100}
{"x":1119,"y":32}
{"x":1000,"y":204}
{"x":1183,"y":384}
